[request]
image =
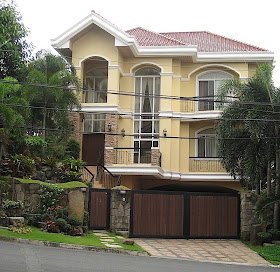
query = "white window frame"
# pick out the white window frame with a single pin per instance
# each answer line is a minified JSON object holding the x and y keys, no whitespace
{"x":230,"y":76}
{"x":92,"y":120}
{"x":197,"y":134}
{"x":154,"y":116}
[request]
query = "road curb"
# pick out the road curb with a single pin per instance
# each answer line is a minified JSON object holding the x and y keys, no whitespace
{"x":72,"y":246}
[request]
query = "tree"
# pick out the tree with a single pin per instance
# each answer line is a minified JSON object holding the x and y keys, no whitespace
{"x":13,"y":118}
{"x":248,"y":131}
{"x":14,"y":50}
{"x":50,"y":95}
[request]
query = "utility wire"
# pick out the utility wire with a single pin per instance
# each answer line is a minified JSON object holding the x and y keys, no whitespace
{"x":199,"y":99}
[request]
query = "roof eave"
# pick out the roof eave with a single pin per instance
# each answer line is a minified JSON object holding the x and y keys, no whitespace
{"x":258,"y":56}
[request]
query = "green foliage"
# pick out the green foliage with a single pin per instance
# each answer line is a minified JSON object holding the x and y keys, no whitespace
{"x":51,"y":162}
{"x":247,"y":146}
{"x":63,"y":225}
{"x":13,"y":118}
{"x":50,"y":196}
{"x":264,"y":237}
{"x":86,"y":218}
{"x":21,"y":165}
{"x":73,"y":148}
{"x":74,"y":220}
{"x":48,"y":69}
{"x":14,"y":48}
{"x":35,"y":145}
{"x":275,"y":233}
{"x":74,"y":164}
{"x":11,"y":207}
{"x":66,"y":175}
{"x":265,"y":202}
{"x":5,"y":187}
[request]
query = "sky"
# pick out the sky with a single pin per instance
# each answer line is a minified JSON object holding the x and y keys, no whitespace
{"x":252,"y":21}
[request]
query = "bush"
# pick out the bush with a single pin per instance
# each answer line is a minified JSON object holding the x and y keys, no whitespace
{"x":264,"y":237}
{"x":85,"y":229}
{"x":63,"y":225}
{"x":50,"y":196}
{"x":86,"y":219}
{"x":62,"y":213}
{"x":73,"y":148}
{"x":11,"y":207}
{"x":275,"y":234}
{"x":74,"y":221}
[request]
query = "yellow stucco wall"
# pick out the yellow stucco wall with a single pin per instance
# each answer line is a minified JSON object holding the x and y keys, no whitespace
{"x":178,"y":79}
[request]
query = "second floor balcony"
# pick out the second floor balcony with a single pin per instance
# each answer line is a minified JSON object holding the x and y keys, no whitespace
{"x":206,"y":165}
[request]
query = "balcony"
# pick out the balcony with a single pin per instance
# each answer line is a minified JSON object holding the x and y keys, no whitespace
{"x":130,"y":156}
{"x":94,"y":96}
{"x":206,"y":104}
{"x":206,"y":165}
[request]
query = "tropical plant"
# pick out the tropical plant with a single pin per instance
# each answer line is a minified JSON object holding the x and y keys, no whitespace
{"x":248,"y":132}
{"x":50,"y":93}
{"x":73,"y":148}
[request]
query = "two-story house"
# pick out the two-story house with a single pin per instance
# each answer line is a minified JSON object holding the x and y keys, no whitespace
{"x":148,"y":107}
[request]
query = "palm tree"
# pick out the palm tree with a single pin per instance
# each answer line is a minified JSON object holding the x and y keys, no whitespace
{"x":52,"y":77}
{"x":248,"y":131}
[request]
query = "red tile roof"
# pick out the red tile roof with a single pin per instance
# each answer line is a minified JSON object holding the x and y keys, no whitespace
{"x":205,"y":41}
{"x":146,"y":37}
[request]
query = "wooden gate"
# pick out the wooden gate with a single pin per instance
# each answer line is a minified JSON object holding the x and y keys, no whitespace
{"x":214,"y":216}
{"x":184,"y":215}
{"x":157,"y":214}
{"x":99,"y":208}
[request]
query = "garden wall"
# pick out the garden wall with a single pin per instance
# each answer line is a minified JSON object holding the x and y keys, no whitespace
{"x":247,"y":214}
{"x":29,"y":195}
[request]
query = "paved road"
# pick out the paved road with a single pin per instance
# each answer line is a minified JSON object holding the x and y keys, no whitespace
{"x":16,"y":257}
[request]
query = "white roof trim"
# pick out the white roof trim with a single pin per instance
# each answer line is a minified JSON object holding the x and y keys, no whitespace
{"x":124,"y":39}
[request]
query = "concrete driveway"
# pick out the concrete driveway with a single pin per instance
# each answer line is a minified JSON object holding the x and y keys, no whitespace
{"x":213,"y":250}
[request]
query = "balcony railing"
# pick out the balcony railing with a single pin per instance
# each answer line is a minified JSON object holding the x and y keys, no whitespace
{"x":129,"y":156}
{"x":94,"y":96}
{"x":206,"y":165}
{"x":206,"y":104}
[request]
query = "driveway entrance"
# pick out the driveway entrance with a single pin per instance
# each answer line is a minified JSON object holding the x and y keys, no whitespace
{"x":213,"y":250}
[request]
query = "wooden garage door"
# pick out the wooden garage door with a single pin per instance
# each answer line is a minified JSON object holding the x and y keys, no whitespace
{"x":157,"y":215}
{"x":99,"y":209}
{"x":214,"y":216}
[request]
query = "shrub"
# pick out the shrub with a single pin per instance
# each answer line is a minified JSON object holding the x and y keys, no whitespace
{"x":85,"y":229}
{"x":63,"y":225}
{"x":74,"y":221}
{"x":264,"y":237}
{"x":86,"y":218}
{"x":73,"y":148}
{"x":275,"y":234}
{"x":50,"y":226}
{"x":11,"y":207}
{"x":20,"y":230}
{"x":21,"y":165}
{"x":62,"y":213}
{"x":50,"y":196}
{"x":33,"y":220}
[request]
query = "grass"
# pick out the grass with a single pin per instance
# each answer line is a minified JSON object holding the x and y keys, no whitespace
{"x":269,"y":253}
{"x":89,"y":239}
{"x":66,"y":185}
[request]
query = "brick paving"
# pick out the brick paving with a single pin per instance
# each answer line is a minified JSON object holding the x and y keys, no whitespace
{"x":217,"y":250}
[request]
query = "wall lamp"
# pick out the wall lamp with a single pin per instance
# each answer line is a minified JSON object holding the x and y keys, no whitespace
{"x":123,"y":132}
{"x":164,"y":132}
{"x":109,"y":127}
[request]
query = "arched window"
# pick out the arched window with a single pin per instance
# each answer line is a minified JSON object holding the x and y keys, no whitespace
{"x":96,"y":82}
{"x":146,"y":111}
{"x":208,"y":84}
{"x":207,"y":145}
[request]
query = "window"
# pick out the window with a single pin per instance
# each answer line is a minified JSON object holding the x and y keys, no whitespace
{"x":96,"y":84}
{"x":207,"y":145}
{"x":94,"y":122}
{"x":146,"y":111}
{"x":207,"y":87}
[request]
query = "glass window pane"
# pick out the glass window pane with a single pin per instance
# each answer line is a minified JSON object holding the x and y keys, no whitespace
{"x":146,"y":126}
{"x":201,"y":147}
{"x":147,"y":71}
{"x":88,"y":126}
